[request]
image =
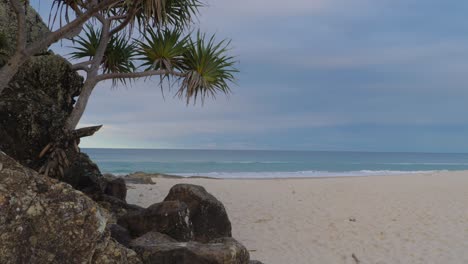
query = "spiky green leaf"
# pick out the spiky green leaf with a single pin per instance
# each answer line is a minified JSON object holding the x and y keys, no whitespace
{"x":208,"y":69}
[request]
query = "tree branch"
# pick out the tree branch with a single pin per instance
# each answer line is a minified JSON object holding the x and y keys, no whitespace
{"x":124,"y":23}
{"x":85,"y":132}
{"x":63,"y":31}
{"x":118,"y":17}
{"x":81,"y":66}
{"x":20,"y":12}
{"x":134,"y":75}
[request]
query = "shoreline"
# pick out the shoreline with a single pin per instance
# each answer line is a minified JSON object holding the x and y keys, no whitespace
{"x":137,"y":175}
{"x":412,"y":218}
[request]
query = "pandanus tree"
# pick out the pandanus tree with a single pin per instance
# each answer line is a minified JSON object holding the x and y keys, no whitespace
{"x":83,"y":11}
{"x":123,"y":40}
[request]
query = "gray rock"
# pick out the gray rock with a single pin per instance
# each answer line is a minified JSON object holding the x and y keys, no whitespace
{"x":115,"y":206}
{"x":255,"y":262}
{"x":43,"y":220}
{"x":84,"y":175}
{"x":35,"y":27}
{"x":170,"y":218}
{"x":152,"y":239}
{"x":139,"y":178}
{"x":35,"y":106}
{"x":220,"y":251}
{"x":115,"y":186}
{"x":207,"y":214}
{"x":120,"y":234}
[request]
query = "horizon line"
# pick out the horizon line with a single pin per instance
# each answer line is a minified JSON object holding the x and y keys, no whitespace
{"x":284,"y":150}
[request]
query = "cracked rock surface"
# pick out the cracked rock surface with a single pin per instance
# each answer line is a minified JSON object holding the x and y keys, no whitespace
{"x":43,"y":220}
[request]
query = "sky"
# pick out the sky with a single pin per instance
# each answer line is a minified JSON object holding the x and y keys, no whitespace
{"x":361,"y":75}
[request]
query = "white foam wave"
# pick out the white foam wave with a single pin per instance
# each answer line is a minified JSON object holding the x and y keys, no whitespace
{"x":299,"y":174}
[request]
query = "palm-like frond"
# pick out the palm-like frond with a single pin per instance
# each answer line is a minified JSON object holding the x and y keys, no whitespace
{"x":162,"y":50}
{"x":119,"y":54}
{"x":60,"y":10}
{"x":177,"y":13}
{"x":207,"y":68}
{"x":87,"y":45}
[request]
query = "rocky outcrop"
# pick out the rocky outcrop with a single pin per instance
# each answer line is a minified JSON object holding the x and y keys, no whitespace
{"x":74,"y":220}
{"x":158,"y":248}
{"x":208,"y":215}
{"x":35,"y":27}
{"x":43,"y":220}
{"x":170,"y":218}
{"x":35,"y":106}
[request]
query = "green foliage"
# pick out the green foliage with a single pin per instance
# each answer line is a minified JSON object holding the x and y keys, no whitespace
{"x":162,"y":50}
{"x":88,"y":44}
{"x":208,"y":69}
{"x":119,"y":54}
{"x":146,"y":13}
{"x":200,"y":65}
{"x":178,"y":13}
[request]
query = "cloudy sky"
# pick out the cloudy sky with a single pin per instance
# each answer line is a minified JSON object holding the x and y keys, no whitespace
{"x":371,"y":75}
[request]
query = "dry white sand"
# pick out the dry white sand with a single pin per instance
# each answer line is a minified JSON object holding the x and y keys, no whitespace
{"x":388,"y":219}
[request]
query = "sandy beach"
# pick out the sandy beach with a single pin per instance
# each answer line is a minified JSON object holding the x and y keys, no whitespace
{"x":419,"y":218}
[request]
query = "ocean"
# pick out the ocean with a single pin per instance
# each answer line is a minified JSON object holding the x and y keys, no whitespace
{"x":271,"y":164}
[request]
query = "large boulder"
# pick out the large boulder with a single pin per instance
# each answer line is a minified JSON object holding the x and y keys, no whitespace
{"x":170,"y":218}
{"x":158,"y":248}
{"x":208,"y":215}
{"x":43,"y":220}
{"x":35,"y":106}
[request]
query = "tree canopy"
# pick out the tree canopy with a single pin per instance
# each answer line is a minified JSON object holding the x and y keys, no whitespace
{"x":121,"y":40}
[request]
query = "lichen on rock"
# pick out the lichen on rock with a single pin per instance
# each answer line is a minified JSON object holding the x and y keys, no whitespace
{"x":35,"y":27}
{"x":43,"y":220}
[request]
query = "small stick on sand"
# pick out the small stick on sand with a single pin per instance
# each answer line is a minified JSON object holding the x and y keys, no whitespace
{"x":355,"y":259}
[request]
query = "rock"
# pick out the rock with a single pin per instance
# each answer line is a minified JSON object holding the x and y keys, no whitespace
{"x":170,"y":218}
{"x":151,"y":239}
{"x":35,"y":106}
{"x":35,"y":27}
{"x":220,"y":251}
{"x":207,"y":214}
{"x":114,"y":253}
{"x":120,"y":234}
{"x":255,"y":262}
{"x":115,"y":187}
{"x":43,"y":220}
{"x":117,"y":207}
{"x":84,"y":175}
{"x":139,"y":178}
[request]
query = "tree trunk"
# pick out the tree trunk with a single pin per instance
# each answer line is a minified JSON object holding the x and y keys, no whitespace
{"x":80,"y":105}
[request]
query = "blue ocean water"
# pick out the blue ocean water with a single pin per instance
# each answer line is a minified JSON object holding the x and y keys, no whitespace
{"x":271,"y":164}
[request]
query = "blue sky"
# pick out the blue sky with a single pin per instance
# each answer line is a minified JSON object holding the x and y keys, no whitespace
{"x":370,"y":75}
